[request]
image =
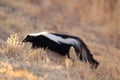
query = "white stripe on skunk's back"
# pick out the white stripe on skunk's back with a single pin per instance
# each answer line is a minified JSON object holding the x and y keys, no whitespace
{"x":58,"y":39}
{"x":37,"y":34}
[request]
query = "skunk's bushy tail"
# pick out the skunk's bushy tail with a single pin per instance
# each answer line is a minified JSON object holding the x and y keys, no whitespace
{"x":84,"y":54}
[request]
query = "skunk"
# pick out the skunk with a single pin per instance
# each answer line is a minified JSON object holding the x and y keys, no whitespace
{"x":61,"y":44}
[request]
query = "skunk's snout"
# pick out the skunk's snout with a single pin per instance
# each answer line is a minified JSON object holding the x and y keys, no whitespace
{"x":24,"y":40}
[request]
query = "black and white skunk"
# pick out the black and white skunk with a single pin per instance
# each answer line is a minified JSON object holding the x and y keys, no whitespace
{"x":61,"y":44}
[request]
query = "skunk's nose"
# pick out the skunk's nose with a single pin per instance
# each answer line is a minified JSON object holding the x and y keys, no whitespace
{"x":24,"y":40}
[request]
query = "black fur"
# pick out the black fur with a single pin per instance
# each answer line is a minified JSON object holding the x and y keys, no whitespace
{"x":44,"y":42}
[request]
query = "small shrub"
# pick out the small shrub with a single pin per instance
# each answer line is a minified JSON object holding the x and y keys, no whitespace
{"x":13,"y":40}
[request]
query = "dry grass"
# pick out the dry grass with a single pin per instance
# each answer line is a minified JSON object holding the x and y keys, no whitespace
{"x":96,"y":22}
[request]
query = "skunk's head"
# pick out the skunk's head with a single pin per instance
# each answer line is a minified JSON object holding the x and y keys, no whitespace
{"x":33,"y":36}
{"x":28,"y":38}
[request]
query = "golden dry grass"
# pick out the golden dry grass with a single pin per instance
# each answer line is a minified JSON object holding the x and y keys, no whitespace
{"x":96,"y":22}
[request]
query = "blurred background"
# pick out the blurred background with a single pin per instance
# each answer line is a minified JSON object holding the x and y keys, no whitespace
{"x":92,"y":17}
{"x":97,"y":22}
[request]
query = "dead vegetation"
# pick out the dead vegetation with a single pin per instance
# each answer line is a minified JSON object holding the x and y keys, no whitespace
{"x":96,"y":22}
